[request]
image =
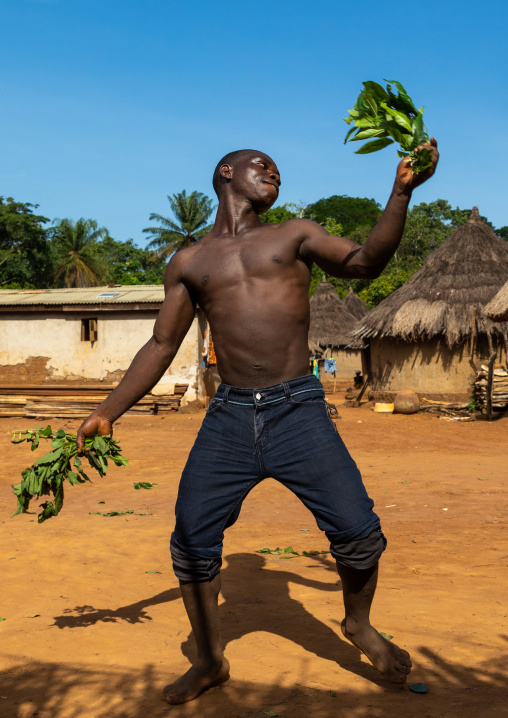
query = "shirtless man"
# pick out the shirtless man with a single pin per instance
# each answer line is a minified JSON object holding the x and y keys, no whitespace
{"x":268,"y":417}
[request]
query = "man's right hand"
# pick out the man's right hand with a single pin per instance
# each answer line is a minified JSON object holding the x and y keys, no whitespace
{"x":92,"y":426}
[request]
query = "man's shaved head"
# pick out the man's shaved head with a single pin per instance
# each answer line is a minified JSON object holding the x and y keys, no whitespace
{"x":230,"y":159}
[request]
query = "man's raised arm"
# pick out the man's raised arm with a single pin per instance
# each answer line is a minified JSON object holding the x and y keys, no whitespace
{"x":172,"y":324}
{"x":341,"y":257}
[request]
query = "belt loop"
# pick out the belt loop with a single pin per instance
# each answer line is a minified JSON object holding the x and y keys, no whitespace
{"x":226,"y":393}
{"x":287,"y":391}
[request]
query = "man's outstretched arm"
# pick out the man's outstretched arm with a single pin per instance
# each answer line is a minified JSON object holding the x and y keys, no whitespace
{"x":172,"y":324}
{"x":341,"y":257}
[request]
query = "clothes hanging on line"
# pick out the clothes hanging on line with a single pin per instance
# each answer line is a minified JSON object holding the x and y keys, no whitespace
{"x":330,"y":366}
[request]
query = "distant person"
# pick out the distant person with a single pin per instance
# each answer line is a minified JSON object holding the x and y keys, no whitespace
{"x":269,"y":416}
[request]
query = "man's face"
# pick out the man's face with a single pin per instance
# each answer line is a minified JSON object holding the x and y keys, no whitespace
{"x":257,"y":178}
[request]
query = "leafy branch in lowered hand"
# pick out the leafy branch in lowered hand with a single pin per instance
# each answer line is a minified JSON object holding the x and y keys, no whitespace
{"x":46,"y":476}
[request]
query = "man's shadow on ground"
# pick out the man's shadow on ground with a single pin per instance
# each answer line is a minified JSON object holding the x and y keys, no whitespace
{"x":256,"y":598}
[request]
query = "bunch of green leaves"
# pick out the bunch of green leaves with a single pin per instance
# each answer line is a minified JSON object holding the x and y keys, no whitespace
{"x":47,"y":475}
{"x":389,"y":118}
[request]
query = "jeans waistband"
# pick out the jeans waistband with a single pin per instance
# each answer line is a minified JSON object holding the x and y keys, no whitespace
{"x":293,"y":388}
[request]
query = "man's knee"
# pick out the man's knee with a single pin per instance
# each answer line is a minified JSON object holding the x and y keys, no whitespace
{"x":362,"y":553}
{"x":190,"y":567}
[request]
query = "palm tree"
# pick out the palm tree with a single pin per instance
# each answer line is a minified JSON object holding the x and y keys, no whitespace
{"x":74,"y":253}
{"x":192,"y":211}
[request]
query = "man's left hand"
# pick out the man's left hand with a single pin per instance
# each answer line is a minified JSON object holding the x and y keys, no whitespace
{"x":405,"y":179}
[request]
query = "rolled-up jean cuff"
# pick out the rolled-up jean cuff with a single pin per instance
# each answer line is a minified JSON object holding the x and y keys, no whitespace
{"x":191,"y":568}
{"x":361,"y":553}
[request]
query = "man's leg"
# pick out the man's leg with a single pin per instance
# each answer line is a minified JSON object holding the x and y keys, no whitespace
{"x":358,"y":588}
{"x":221,"y":470}
{"x":307,"y":455}
{"x":211,"y":666}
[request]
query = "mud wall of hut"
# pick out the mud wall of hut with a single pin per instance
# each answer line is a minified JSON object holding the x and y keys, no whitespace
{"x":50,"y":347}
{"x":348,"y":362}
{"x":429,"y":367}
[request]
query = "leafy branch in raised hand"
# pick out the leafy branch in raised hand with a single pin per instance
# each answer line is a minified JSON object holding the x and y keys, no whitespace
{"x":384,"y":117}
{"x":46,"y":476}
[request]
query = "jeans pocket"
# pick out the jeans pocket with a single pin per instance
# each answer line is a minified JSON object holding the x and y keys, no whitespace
{"x":213,"y":406}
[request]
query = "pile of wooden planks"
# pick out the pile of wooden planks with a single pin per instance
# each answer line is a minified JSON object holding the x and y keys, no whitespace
{"x":499,"y":391}
{"x":75,"y":401}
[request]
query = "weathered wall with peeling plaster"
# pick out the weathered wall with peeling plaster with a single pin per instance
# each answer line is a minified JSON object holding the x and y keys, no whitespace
{"x":46,"y":347}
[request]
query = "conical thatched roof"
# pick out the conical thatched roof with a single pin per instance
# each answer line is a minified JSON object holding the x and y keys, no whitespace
{"x":447,"y":295}
{"x":354,"y":305}
{"x":330,"y":321}
{"x":497,"y":308}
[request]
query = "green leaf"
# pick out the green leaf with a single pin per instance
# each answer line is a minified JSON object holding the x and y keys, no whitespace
{"x":351,"y":132}
{"x":2,"y":619}
{"x":57,"y":443}
{"x":143,"y":485}
{"x":403,"y":95}
{"x":60,"y":434}
{"x":100,"y":445}
{"x":49,"y":458}
{"x":419,"y":687}
{"x":77,"y":461}
{"x":269,"y":713}
{"x":366,"y":122}
{"x":374,"y":146}
{"x":152,"y":571}
{"x":399,"y":117}
{"x":73,"y":478}
{"x":333,"y":693}
{"x":46,"y":432}
{"x":377,"y":90}
{"x":365,"y":134}
{"x":388,"y":638}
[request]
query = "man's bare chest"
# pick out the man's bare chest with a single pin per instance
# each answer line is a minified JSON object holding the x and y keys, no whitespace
{"x":225,"y":263}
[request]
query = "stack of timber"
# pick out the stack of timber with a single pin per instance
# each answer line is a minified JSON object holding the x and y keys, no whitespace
{"x":499,"y":388}
{"x":75,"y":401}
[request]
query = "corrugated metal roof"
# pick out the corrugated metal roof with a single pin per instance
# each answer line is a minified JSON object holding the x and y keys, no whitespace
{"x":132,"y":294}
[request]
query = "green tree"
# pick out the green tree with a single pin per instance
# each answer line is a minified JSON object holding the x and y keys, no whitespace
{"x":130,"y":264}
{"x":503,"y":233}
{"x":393,"y":277}
{"x":192,"y":213}
{"x":25,"y":250}
{"x":76,"y":263}
{"x":276,"y":215}
{"x":351,"y":212}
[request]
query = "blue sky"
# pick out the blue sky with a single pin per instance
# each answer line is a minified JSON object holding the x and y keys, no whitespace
{"x":107,"y":107}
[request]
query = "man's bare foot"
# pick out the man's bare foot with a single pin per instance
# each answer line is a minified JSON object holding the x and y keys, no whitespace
{"x":390,"y":660}
{"x":194,"y":682}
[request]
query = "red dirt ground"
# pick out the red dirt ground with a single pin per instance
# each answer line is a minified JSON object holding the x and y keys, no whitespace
{"x":89,"y":633}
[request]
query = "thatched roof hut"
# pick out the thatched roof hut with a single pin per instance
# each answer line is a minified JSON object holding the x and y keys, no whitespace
{"x":497,"y":308}
{"x":431,"y":334}
{"x":354,"y":305}
{"x":447,"y":296}
{"x":330,"y":321}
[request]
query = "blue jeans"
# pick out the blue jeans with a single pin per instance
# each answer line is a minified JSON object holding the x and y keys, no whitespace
{"x":284,"y":432}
